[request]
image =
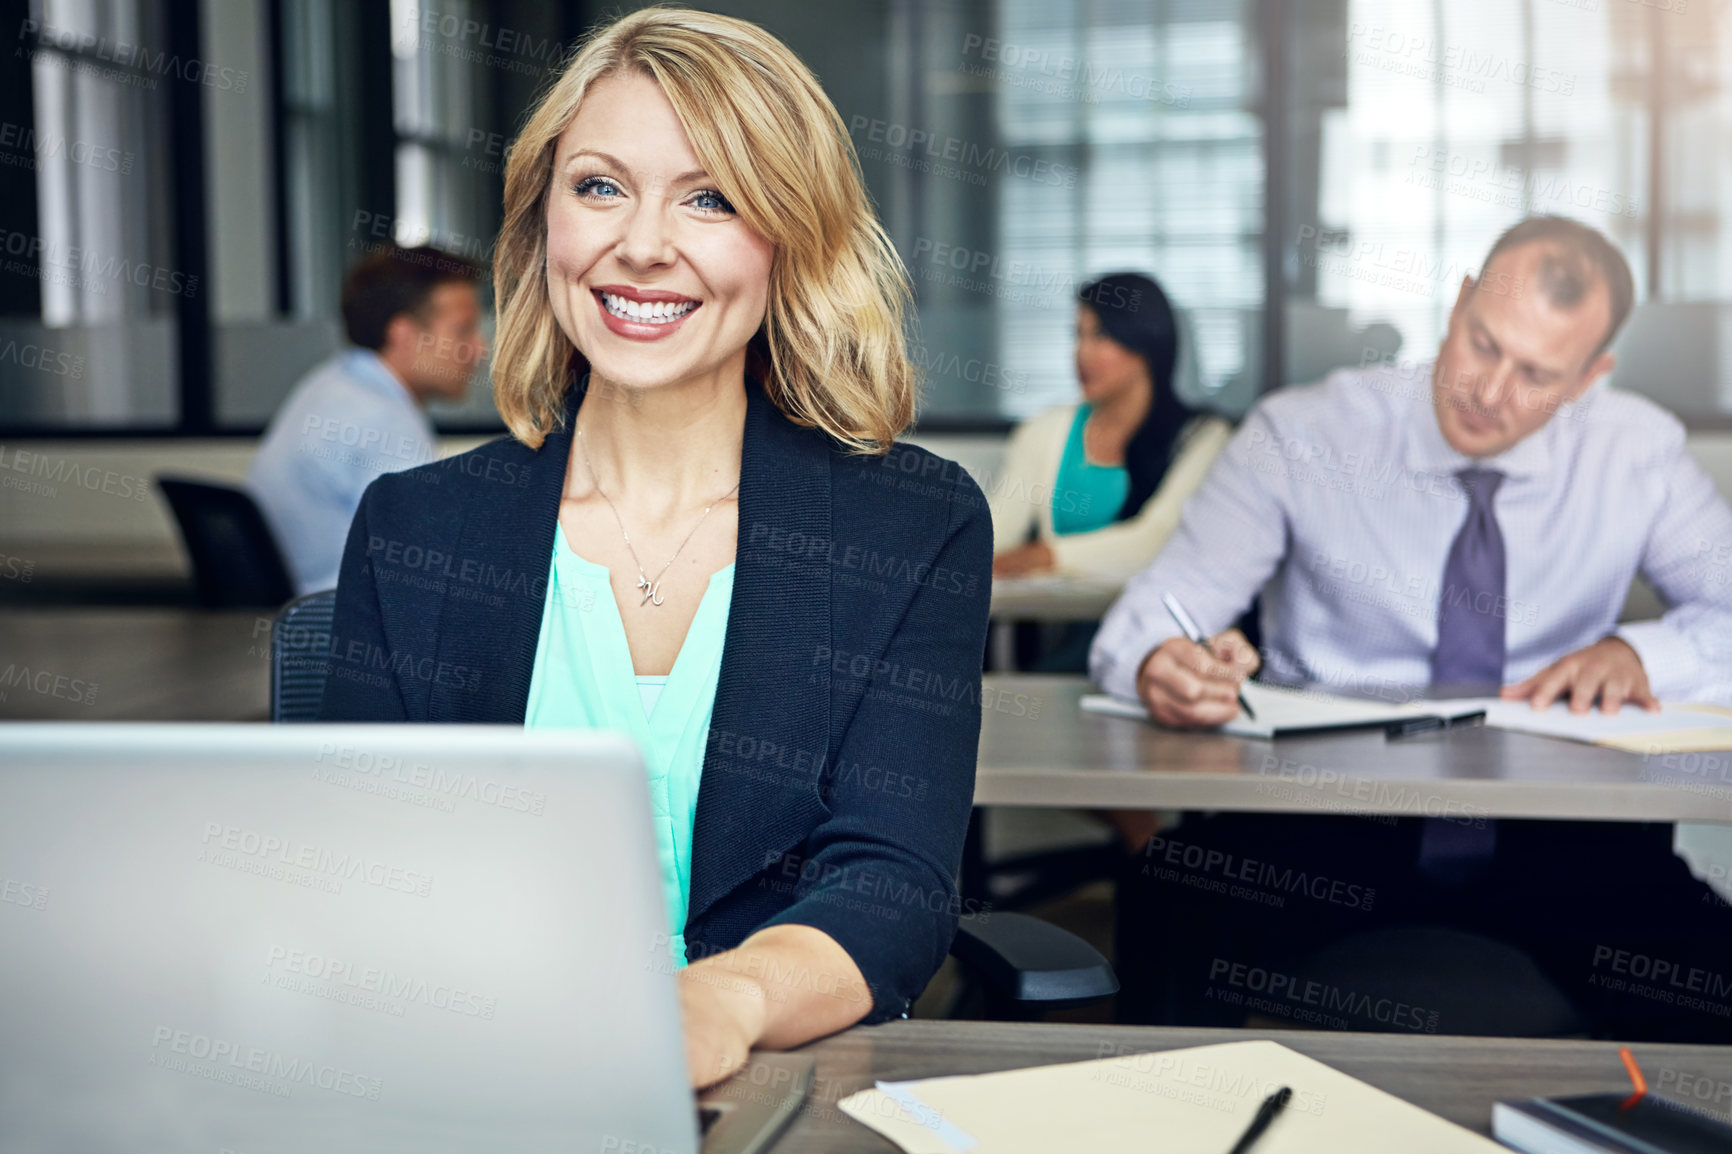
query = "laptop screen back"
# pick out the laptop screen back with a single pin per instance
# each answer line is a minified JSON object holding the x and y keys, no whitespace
{"x":379,"y":938}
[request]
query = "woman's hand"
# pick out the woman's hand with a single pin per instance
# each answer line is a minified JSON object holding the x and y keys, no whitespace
{"x":724,"y":1017}
{"x":1034,"y":557}
{"x":781,"y":987}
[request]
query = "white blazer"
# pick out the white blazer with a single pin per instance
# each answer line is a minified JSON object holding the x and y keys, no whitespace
{"x":1021,"y":497}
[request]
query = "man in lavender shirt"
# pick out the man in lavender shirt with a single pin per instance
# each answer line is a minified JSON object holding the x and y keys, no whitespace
{"x":1474,"y":523}
{"x":1342,"y":503}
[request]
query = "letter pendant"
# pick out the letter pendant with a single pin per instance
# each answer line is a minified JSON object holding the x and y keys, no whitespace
{"x":651,"y":591}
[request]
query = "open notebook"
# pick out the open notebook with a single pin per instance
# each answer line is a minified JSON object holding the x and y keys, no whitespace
{"x":1281,"y":712}
{"x":1195,"y":1101}
{"x":1284,"y":712}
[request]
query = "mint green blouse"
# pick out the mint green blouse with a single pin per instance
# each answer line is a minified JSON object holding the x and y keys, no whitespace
{"x":583,"y":678}
{"x":1085,"y":496}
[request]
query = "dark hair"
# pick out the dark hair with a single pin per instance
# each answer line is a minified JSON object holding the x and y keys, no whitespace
{"x":390,"y":281}
{"x":1135,"y":312}
{"x":1578,"y":256}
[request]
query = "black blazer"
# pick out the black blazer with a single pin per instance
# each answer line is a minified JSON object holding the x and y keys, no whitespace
{"x":839,"y":772}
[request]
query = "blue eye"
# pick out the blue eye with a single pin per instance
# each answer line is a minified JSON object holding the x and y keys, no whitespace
{"x":709,"y":200}
{"x":597,"y":186}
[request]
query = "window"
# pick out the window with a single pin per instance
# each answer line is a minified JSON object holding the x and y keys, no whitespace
{"x":95,"y":345}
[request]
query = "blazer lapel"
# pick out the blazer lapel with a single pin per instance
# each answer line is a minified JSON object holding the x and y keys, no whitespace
{"x":507,"y":537}
{"x":770,"y":727}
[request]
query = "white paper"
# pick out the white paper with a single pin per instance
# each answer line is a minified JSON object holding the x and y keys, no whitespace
{"x":1288,"y":709}
{"x":1193,"y":1101}
{"x":1294,"y":709}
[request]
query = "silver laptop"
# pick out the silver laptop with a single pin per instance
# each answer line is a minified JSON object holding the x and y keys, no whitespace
{"x":343,"y":938}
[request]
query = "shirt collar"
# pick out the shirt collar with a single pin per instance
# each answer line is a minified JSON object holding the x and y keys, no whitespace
{"x":1427,"y":451}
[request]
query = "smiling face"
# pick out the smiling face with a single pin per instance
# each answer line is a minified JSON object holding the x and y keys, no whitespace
{"x":1511,"y":357}
{"x":650,"y":272}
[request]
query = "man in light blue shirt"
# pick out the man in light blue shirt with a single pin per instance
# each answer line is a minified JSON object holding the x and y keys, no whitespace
{"x":1345,"y":504}
{"x":413,"y":317}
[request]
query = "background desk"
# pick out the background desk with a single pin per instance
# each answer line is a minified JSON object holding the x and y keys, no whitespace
{"x":1458,"y":1078}
{"x":145,"y":664}
{"x":1048,"y":600}
{"x":1037,"y":748}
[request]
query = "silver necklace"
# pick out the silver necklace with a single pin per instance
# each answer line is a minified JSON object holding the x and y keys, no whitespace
{"x":651,"y":587}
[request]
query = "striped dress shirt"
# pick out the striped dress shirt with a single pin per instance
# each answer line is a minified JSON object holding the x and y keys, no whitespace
{"x":1339,"y":502}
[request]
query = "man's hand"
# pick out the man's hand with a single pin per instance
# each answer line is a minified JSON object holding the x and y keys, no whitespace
{"x":1609,"y":670}
{"x":724,"y":1016}
{"x":1034,"y":557}
{"x":1187,"y":686}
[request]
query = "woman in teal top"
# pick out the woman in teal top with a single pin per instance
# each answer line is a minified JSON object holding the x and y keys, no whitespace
{"x":584,"y":678}
{"x":1094,"y":492}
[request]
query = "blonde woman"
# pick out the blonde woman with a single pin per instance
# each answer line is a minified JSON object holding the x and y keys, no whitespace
{"x":1094,"y":489}
{"x":701,"y":530}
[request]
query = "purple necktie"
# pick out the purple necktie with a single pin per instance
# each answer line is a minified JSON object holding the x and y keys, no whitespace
{"x":1470,"y":652}
{"x":1470,"y":605}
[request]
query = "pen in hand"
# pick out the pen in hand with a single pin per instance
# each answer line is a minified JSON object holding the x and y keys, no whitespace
{"x":1190,"y":628}
{"x":1272,"y":1105}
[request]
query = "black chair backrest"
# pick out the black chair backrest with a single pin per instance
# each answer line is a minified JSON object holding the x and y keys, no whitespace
{"x":300,"y":656}
{"x":236,"y":563}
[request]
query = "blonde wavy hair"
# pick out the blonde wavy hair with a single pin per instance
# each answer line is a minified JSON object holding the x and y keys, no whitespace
{"x":830,"y":352}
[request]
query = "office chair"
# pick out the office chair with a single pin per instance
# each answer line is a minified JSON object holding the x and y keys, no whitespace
{"x":1019,"y":965}
{"x":236,"y":563}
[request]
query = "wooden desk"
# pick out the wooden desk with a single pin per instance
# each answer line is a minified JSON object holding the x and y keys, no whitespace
{"x":1037,"y":748}
{"x":144,"y":665}
{"x":1458,"y":1078}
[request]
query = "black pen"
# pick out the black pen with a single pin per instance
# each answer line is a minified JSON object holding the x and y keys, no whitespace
{"x":1272,"y":1105}
{"x":1195,"y":634}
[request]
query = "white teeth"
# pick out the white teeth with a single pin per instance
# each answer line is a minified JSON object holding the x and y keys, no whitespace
{"x":652,"y":312}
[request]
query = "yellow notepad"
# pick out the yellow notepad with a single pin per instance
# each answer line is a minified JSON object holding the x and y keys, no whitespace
{"x":1195,"y":1101}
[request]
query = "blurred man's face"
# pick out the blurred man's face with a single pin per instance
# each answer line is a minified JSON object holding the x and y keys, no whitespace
{"x":1511,"y":358}
{"x":448,"y":345}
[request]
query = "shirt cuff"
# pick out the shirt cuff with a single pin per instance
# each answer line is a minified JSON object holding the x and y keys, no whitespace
{"x":1672,"y":664}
